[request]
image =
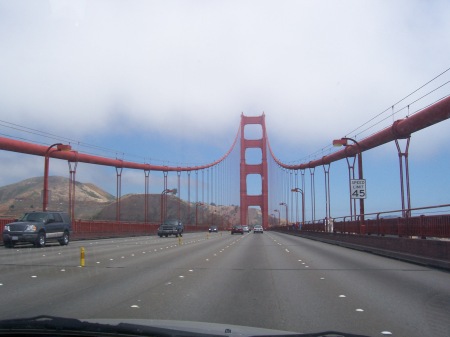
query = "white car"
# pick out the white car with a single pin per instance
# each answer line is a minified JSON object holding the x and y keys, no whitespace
{"x":246,"y":229}
{"x":258,"y":229}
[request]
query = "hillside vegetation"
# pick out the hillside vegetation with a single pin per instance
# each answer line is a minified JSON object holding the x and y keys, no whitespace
{"x":91,"y":202}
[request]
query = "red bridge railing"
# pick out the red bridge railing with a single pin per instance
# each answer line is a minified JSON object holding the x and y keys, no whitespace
{"x":91,"y":229}
{"x":381,"y":223}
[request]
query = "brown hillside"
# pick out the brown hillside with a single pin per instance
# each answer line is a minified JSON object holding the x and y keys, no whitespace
{"x":25,"y":196}
{"x":132,"y":208}
{"x":91,"y":202}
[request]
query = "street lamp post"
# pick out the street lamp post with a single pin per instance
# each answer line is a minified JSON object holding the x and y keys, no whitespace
{"x":196,"y":211}
{"x":344,"y":142}
{"x":164,"y":202}
{"x":59,"y":147}
{"x":299,"y":190}
{"x":287,"y":219}
{"x":279,"y":217}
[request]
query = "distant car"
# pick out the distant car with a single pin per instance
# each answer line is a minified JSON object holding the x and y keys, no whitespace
{"x":246,"y":229}
{"x":38,"y":228}
{"x":171,"y":227}
{"x":258,"y":229}
{"x":237,"y":229}
{"x":213,"y":229}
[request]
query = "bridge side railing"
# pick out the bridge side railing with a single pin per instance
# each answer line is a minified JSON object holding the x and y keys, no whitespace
{"x":383,"y":224}
{"x":90,"y":229}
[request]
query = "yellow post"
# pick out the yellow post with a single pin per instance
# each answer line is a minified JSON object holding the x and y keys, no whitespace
{"x":82,"y":261}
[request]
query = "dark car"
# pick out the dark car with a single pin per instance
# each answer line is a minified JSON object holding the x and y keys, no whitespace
{"x":213,"y":229}
{"x":237,"y":229}
{"x":171,"y":227}
{"x":38,"y":228}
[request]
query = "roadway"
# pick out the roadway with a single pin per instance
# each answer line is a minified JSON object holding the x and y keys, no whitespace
{"x":271,"y":280}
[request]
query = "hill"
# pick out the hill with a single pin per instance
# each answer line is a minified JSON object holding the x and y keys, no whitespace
{"x":132,"y":208}
{"x":25,"y":196}
{"x":91,"y":202}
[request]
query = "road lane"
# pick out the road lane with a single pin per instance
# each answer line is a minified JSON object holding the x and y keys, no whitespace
{"x":406,"y":298}
{"x":270,"y":280}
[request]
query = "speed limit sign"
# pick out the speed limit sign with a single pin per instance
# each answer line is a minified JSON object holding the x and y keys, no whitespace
{"x":358,"y":188}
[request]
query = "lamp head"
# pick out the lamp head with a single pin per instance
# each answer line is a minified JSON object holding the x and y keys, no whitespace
{"x":340,"y":142}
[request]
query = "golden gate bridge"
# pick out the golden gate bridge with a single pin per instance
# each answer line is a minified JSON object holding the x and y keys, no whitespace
{"x":281,"y":184}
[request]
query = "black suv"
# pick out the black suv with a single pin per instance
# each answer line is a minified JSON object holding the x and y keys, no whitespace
{"x":171,"y":227}
{"x":38,"y":228}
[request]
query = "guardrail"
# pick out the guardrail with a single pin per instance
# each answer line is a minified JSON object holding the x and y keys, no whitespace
{"x":384,"y":224}
{"x":90,"y":229}
{"x":86,"y":229}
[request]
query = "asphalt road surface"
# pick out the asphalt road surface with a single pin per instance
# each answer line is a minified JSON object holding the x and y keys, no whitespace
{"x":268,"y":280}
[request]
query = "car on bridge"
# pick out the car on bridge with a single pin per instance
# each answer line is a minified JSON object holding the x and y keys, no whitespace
{"x":38,"y":228}
{"x":238,"y":229}
{"x":171,"y":227}
{"x":213,"y":229}
{"x":258,"y":229}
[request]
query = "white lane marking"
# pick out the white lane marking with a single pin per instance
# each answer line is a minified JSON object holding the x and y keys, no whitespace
{"x":359,"y":310}
{"x":287,"y":251}
{"x":135,"y":306}
{"x":63,"y":270}
{"x":386,"y":333}
{"x":33,"y":276}
{"x":322,"y":278}
{"x":342,"y":296}
{"x":181,"y":276}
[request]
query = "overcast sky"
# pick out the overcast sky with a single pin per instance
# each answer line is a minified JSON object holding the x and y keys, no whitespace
{"x":167,"y":81}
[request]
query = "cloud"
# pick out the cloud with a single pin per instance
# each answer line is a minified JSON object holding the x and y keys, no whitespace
{"x":187,"y":70}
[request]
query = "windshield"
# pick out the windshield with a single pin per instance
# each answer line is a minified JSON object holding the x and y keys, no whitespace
{"x":262,"y":163}
{"x":34,"y":217}
{"x":172,"y":222}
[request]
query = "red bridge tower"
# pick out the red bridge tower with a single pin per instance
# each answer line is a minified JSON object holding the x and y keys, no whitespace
{"x":260,"y":200}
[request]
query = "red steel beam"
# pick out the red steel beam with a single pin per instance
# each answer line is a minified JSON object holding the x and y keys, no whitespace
{"x":401,"y":128}
{"x":13,"y":145}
